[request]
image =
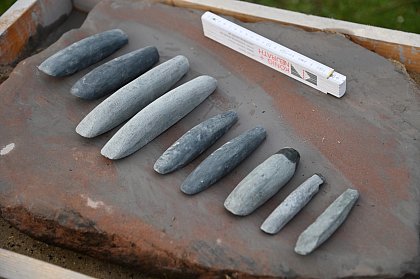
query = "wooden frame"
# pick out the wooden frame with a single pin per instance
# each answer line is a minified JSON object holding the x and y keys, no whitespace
{"x":23,"y":20}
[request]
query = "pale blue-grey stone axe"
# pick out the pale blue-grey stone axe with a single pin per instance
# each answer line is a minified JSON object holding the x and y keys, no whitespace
{"x":263,"y":182}
{"x":327,"y":223}
{"x":133,"y":97}
{"x":291,"y":205}
{"x":158,"y":116}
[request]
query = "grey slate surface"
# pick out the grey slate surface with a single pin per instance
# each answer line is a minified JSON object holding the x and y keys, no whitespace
{"x":367,"y":140}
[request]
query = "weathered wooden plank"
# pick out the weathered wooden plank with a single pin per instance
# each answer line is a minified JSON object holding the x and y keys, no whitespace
{"x":17,"y":266}
{"x":23,"y":20}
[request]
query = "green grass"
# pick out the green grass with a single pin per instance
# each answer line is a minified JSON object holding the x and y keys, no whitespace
{"x":5,"y":4}
{"x":393,"y":14}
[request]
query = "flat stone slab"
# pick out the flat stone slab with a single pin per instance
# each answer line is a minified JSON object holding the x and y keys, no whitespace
{"x":56,"y":186}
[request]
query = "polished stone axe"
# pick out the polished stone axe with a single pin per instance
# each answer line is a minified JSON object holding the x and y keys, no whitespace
{"x":105,"y":79}
{"x":291,"y":205}
{"x":158,"y":116}
{"x":133,"y":97}
{"x":194,"y":142}
{"x":263,"y":182}
{"x":84,"y":53}
{"x":327,"y":223}
{"x":223,"y":160}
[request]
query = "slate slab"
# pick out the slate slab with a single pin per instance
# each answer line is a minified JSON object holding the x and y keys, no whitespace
{"x":55,"y":185}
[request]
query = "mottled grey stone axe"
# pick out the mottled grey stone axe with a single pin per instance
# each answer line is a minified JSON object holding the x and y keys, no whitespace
{"x":194,"y":142}
{"x":327,"y":223}
{"x":223,"y":160}
{"x":158,"y":116}
{"x":133,"y":97}
{"x":84,"y":53}
{"x":112,"y":75}
{"x":263,"y":182}
{"x":291,"y":205}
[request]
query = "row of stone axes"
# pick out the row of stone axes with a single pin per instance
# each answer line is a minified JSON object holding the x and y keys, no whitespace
{"x":141,"y":94}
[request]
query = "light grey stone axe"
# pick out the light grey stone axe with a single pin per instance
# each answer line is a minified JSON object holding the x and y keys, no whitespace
{"x":133,"y":97}
{"x":263,"y":182}
{"x":158,"y":116}
{"x":327,"y":223}
{"x":291,"y":205}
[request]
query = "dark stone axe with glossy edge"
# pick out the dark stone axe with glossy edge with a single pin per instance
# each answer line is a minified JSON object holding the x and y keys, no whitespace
{"x":223,"y":160}
{"x":105,"y":79}
{"x":84,"y":53}
{"x":194,"y":142}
